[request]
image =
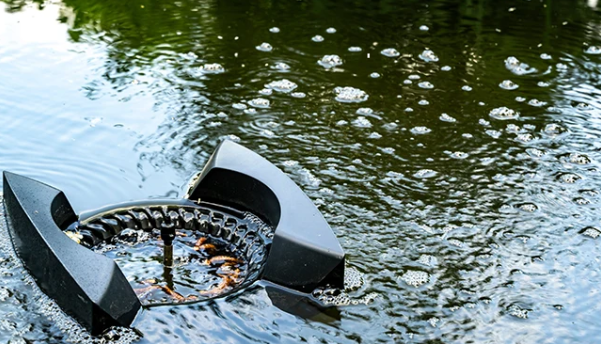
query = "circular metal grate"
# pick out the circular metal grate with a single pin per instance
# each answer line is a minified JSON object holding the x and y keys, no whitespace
{"x":217,"y":250}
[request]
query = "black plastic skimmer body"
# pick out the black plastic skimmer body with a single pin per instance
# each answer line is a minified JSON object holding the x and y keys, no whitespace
{"x":302,"y":252}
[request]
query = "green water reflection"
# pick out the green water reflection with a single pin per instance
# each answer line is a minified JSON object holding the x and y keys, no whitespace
{"x":472,"y":223}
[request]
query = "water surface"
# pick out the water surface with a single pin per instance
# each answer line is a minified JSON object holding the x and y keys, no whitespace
{"x":452,"y":145}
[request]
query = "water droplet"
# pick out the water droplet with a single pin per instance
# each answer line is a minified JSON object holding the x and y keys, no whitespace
{"x":329,"y":61}
{"x":508,"y":85}
{"x":331,"y":30}
{"x":282,"y":86}
{"x":420,"y":130}
{"x":407,"y":82}
{"x":264,"y":47}
{"x":466,"y":88}
{"x":354,"y":49}
{"x":446,"y":118}
{"x":428,"y":56}
{"x":445,"y":68}
{"x":503,"y":113}
{"x":350,"y":95}
{"x":390,"y":52}
{"x":593,"y":50}
{"x":317,"y":38}
{"x":261,"y":103}
{"x":424,"y":28}
{"x":212,"y":68}
{"x":274,"y":30}
{"x":425,"y":85}
{"x":374,"y":75}
{"x":415,"y":278}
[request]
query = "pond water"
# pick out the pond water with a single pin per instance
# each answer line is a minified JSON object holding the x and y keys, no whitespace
{"x":454,"y":147}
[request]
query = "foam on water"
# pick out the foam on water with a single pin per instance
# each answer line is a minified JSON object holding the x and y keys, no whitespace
{"x":350,"y":95}
{"x":283,"y":86}
{"x":330,"y":61}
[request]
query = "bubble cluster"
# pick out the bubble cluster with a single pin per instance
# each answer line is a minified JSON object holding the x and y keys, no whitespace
{"x":390,"y":52}
{"x":415,"y":278}
{"x":428,"y":56}
{"x":330,"y":61}
{"x":349,"y":94}
{"x":283,"y":86}
{"x":518,"y":68}
{"x":261,"y":103}
{"x":420,"y":130}
{"x":503,"y":113}
{"x":212,"y":68}
{"x":264,"y":47}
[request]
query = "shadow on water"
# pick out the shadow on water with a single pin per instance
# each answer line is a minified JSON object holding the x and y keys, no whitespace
{"x":465,"y":188}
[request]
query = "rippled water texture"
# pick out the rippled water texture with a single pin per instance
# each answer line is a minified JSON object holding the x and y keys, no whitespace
{"x":452,"y":145}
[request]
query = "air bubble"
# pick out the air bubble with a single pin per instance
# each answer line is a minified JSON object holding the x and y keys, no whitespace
{"x":350,"y":95}
{"x":374,"y":75}
{"x":261,"y":103}
{"x":518,"y":68}
{"x":545,"y":56}
{"x":329,"y":61}
{"x":362,"y":122}
{"x":264,"y":47}
{"x":428,"y":56}
{"x":425,"y":173}
{"x":274,"y":30}
{"x":503,"y":113}
{"x":415,"y":278}
{"x":508,"y":85}
{"x":281,"y":66}
{"x":390,"y":52}
{"x":282,"y":86}
{"x":424,"y":28}
{"x":591,"y":232}
{"x":593,"y":50}
{"x":425,"y":85}
{"x":354,"y":49}
{"x":298,"y":94}
{"x":331,"y":30}
{"x":466,"y":88}
{"x":536,"y":103}
{"x":568,"y":178}
{"x":527,"y":207}
{"x":445,"y":68}
{"x":459,"y":155}
{"x":420,"y":130}
{"x":317,"y":38}
{"x":212,"y":68}
{"x":446,"y":118}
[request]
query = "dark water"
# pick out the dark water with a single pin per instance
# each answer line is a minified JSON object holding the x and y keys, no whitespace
{"x":464,"y":185}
